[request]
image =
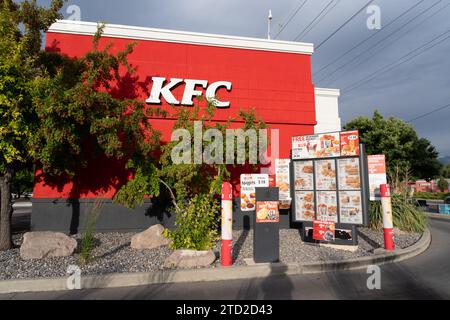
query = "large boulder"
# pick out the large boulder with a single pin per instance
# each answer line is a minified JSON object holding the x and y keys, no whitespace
{"x":151,"y":238}
{"x":189,"y":259}
{"x":40,"y":245}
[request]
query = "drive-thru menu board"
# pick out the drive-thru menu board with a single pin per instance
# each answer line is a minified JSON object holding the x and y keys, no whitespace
{"x":248,"y":193}
{"x":327,"y":178}
{"x":283,"y":182}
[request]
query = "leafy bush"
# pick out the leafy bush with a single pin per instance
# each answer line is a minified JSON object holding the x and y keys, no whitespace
{"x":431,"y":195}
{"x":405,"y":215}
{"x":442,"y":184}
{"x":196,"y":224}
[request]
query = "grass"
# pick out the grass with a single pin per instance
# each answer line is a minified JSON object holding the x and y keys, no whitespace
{"x":405,"y":215}
{"x":88,"y":240}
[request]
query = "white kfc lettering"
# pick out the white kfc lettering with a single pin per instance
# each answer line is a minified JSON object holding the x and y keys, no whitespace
{"x":159,"y":89}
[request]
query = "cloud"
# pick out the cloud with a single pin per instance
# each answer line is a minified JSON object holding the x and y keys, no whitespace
{"x":410,"y":90}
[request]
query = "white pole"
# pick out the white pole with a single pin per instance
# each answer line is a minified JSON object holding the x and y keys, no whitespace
{"x":268,"y":25}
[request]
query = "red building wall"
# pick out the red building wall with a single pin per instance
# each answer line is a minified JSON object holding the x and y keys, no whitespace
{"x":277,"y":84}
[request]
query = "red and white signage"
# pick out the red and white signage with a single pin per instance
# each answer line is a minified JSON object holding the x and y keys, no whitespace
{"x":227,"y":225}
{"x":326,"y":145}
{"x":267,"y":212}
{"x":349,"y":143}
{"x":377,"y":175}
{"x":388,"y":225}
{"x":323,"y":231}
{"x":248,"y":193}
{"x":163,"y":88}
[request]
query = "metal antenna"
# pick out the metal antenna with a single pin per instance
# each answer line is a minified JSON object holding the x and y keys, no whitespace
{"x":269,"y":23}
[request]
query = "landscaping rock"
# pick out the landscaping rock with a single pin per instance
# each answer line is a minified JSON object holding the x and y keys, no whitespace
{"x":190,"y":259}
{"x":40,"y":245}
{"x":149,"y":239}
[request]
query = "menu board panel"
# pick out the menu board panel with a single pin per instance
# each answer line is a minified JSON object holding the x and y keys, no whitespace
{"x":324,"y":231}
{"x":248,"y":193}
{"x":349,"y":176}
{"x":327,"y":206}
{"x":316,"y":146}
{"x":377,"y":175}
{"x":283,"y":179}
{"x":267,"y":212}
{"x":304,"y":205}
{"x":349,"y":143}
{"x":326,"y":145}
{"x":325,"y":175}
{"x":304,"y":175}
{"x":350,"y":207}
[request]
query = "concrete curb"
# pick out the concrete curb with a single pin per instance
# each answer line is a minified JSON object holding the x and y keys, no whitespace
{"x":438,"y":215}
{"x":214,"y":274}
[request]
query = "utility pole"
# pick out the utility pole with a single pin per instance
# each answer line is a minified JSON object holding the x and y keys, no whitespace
{"x":269,"y":23}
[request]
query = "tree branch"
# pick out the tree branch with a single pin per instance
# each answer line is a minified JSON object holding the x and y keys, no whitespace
{"x":171,"y":195}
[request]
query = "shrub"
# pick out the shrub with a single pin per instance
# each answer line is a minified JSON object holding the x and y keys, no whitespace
{"x":405,"y":215}
{"x":196,"y":224}
{"x":431,"y":195}
{"x":442,"y":184}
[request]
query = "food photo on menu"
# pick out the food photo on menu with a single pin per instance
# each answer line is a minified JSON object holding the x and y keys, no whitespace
{"x":349,"y":143}
{"x":350,"y":207}
{"x":325,"y":175}
{"x":330,"y":145}
{"x":327,"y":206}
{"x":349,"y":174}
{"x":304,"y":175}
{"x":304,"y":206}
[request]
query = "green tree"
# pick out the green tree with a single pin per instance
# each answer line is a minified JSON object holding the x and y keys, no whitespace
{"x":59,"y":112}
{"x":445,"y":171}
{"x":194,"y":186}
{"x":442,"y":184}
{"x":23,"y":181}
{"x":399,"y":142}
{"x":19,"y":66}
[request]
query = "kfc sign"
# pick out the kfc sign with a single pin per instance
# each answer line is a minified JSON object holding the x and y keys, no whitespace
{"x":162,"y":89}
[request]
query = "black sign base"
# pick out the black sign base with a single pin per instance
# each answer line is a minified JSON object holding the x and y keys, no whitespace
{"x":266,"y":237}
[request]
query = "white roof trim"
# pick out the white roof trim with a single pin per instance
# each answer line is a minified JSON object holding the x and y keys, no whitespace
{"x":327,"y":92}
{"x":140,"y":33}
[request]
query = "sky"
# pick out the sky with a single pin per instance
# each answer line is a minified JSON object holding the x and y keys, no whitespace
{"x":399,"y":85}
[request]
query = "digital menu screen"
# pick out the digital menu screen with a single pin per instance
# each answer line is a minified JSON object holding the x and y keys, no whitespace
{"x":304,"y":175}
{"x":349,"y":175}
{"x":327,"y":206}
{"x":326,"y":175}
{"x":304,"y":205}
{"x":350,"y":207}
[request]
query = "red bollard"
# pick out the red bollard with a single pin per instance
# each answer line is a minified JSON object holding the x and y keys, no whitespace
{"x":388,"y":226}
{"x":226,"y":258}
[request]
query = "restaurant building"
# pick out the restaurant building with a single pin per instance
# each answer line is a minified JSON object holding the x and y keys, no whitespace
{"x":271,"y":76}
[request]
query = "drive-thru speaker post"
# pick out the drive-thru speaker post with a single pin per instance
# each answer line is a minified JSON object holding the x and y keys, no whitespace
{"x":388,"y":225}
{"x":226,"y":258}
{"x":266,"y":239}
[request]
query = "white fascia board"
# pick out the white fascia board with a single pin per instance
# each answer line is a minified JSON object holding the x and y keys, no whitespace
{"x":327,"y":92}
{"x":164,"y":35}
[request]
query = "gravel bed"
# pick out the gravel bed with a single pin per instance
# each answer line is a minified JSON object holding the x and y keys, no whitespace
{"x":294,"y":250}
{"x":113,"y":254}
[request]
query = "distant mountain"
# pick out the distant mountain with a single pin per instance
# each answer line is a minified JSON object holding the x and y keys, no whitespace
{"x":445,"y":160}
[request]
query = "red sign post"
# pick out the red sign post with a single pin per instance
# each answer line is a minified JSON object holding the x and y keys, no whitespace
{"x":388,"y":225}
{"x":226,"y":258}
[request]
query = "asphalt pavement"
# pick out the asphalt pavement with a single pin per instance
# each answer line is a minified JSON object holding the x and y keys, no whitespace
{"x":426,"y":276}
